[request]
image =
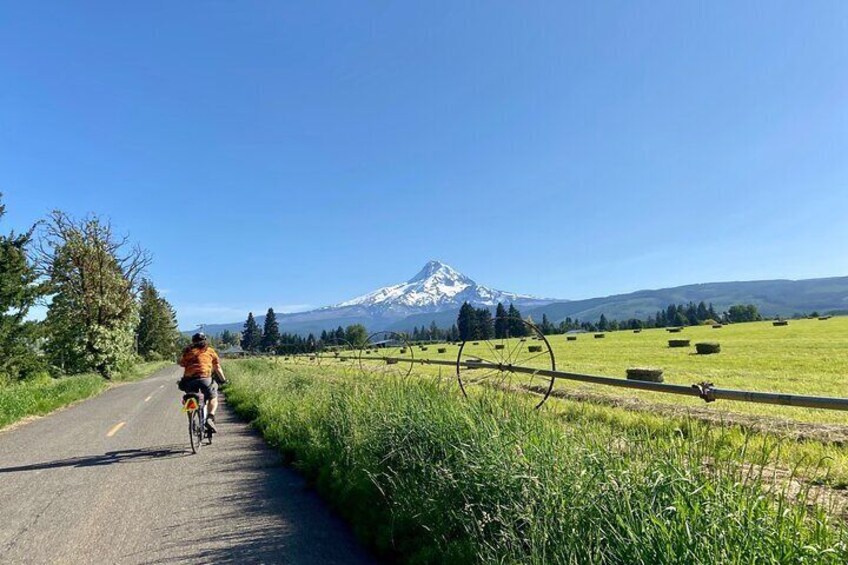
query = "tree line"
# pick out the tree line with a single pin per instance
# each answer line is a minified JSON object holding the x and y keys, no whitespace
{"x":478,"y":323}
{"x":102,"y":313}
{"x":269,"y":338}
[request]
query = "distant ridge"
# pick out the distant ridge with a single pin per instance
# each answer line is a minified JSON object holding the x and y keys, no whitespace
{"x":437,"y":291}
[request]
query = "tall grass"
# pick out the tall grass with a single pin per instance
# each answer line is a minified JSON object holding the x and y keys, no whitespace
{"x":426,"y":476}
{"x":44,"y":394}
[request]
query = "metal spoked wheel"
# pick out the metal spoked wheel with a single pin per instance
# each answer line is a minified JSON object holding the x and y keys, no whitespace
{"x":388,"y":353}
{"x":509,"y":361}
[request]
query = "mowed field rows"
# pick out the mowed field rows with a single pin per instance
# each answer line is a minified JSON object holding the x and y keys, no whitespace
{"x":808,"y":357}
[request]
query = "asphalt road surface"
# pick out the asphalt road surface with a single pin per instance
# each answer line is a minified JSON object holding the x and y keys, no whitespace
{"x":113,"y":480}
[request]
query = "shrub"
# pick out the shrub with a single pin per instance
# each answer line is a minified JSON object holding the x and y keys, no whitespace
{"x":707,"y":348}
{"x":678,"y":343}
{"x":645,"y":374}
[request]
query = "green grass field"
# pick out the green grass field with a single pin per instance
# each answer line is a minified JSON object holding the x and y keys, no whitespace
{"x":807,"y":357}
{"x":425,"y":475}
{"x":41,"y":396}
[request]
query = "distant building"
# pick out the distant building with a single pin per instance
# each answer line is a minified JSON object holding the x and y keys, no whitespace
{"x":233,"y":351}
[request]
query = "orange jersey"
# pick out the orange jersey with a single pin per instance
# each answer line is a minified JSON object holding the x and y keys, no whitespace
{"x":199,"y":362}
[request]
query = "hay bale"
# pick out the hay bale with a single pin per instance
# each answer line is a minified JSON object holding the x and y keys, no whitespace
{"x":780,"y":323}
{"x":423,"y":348}
{"x":645,"y":374}
{"x":391,"y":361}
{"x":637,"y":331}
{"x":717,"y":326}
{"x":523,"y":339}
{"x":472,"y":362}
{"x":678,"y":343}
{"x":499,"y":346}
{"x":443,"y":350}
{"x":674,"y":330}
{"x":571,"y":338}
{"x":534,"y":348}
{"x":403,"y":350}
{"x":600,"y":336}
{"x":476,"y":343}
{"x":707,"y":348}
{"x":825,"y":317}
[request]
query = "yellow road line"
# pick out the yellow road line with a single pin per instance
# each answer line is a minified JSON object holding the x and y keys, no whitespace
{"x":115,"y":429}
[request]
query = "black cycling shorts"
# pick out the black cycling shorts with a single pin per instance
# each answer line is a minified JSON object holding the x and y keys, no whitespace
{"x":200,"y":384}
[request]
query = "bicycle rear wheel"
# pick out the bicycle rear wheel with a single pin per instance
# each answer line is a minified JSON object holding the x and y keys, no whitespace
{"x":195,"y":430}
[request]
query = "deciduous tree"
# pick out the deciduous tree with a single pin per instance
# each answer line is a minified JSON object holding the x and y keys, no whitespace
{"x":93,"y":278}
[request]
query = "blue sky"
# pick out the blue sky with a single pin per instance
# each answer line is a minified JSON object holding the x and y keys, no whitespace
{"x":299,"y":155}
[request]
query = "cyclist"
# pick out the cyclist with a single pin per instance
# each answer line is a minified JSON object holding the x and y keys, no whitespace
{"x":201,"y":363}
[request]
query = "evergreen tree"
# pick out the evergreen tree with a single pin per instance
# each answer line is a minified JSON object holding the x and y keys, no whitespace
{"x":19,"y":291}
{"x":485,"y":329}
{"x":703,"y":313}
{"x":712,"y":312}
{"x":516,"y":324}
{"x":229,"y":338}
{"x":547,"y":328}
{"x":466,"y":322}
{"x":251,"y":336}
{"x":157,"y":335}
{"x":270,"y":332}
{"x":603,"y":324}
{"x":671,"y":314}
{"x":501,"y":322}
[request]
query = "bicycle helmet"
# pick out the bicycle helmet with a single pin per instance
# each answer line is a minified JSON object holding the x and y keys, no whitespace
{"x":198,"y":338}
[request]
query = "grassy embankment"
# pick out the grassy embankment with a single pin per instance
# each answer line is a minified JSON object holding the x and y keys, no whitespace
{"x":427,"y":476}
{"x":40,"y":396}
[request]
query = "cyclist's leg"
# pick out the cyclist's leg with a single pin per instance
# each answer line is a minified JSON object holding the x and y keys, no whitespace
{"x":211,"y":394}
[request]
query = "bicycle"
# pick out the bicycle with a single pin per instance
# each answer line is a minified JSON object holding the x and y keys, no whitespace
{"x":195,"y":406}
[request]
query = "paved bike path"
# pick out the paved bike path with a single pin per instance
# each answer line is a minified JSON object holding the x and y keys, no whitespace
{"x":113,"y":480}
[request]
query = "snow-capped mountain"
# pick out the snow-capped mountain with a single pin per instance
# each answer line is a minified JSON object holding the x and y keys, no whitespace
{"x":436,"y":287}
{"x":434,"y":294}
